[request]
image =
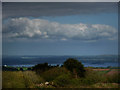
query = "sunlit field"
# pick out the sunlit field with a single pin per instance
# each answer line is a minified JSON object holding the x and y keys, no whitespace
{"x":61,"y":77}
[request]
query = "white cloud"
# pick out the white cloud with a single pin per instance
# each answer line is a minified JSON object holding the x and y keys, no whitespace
{"x":25,"y":28}
{"x":63,"y":39}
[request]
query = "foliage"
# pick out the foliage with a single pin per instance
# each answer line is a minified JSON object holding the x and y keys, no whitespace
{"x":75,"y":67}
{"x":113,"y":78}
{"x":92,"y":77}
{"x":19,"y":79}
{"x":63,"y":80}
{"x":9,"y":68}
{"x":53,"y":73}
{"x":39,"y":68}
{"x":31,"y":79}
{"x":60,"y":76}
{"x":13,"y":79}
{"x":105,"y":85}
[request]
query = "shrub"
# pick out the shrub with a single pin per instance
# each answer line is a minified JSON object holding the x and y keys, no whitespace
{"x":19,"y":79}
{"x":113,"y":78}
{"x":53,"y":73}
{"x":40,"y":68}
{"x":31,"y":79}
{"x":13,"y":79}
{"x":93,"y":77}
{"x":62,"y":81}
{"x":105,"y":85}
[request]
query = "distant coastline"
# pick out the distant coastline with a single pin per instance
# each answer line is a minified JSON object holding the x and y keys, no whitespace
{"x":93,"y":61}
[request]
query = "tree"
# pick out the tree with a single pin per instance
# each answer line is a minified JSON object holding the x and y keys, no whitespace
{"x":39,"y":68}
{"x":75,"y":67}
{"x":21,"y":69}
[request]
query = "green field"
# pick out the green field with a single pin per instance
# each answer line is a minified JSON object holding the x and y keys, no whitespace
{"x":58,"y":77}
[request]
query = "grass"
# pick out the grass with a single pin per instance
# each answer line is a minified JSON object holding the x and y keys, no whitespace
{"x":105,"y":85}
{"x":60,"y":77}
{"x":53,"y":73}
{"x":19,"y":79}
{"x":62,"y":80}
{"x":102,"y":72}
{"x":13,"y":80}
{"x":31,"y":79}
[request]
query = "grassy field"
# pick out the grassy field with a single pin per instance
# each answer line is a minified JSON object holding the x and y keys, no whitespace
{"x":19,"y":79}
{"x":60,"y":77}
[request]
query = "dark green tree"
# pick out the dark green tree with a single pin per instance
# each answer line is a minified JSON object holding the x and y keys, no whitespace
{"x":39,"y":68}
{"x":75,"y":67}
{"x":21,"y":69}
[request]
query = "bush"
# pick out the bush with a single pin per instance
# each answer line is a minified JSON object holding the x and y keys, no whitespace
{"x":53,"y":73}
{"x":31,"y":79}
{"x":40,"y":68}
{"x":93,"y":77}
{"x":13,"y":79}
{"x":19,"y":79}
{"x":113,"y":78}
{"x":62,"y":81}
{"x":105,"y":85}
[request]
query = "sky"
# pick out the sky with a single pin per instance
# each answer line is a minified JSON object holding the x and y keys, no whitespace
{"x":60,"y":0}
{"x":50,"y":28}
{"x":0,"y":31}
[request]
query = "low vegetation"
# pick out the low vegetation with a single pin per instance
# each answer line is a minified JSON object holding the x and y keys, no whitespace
{"x":19,"y":79}
{"x":71,"y":75}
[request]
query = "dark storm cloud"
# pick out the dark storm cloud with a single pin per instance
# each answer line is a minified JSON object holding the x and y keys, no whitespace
{"x":25,"y":9}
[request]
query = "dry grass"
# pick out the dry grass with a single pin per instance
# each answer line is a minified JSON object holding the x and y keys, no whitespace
{"x":19,"y":79}
{"x":60,"y":77}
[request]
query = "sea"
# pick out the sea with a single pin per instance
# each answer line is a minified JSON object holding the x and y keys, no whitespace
{"x":87,"y":61}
